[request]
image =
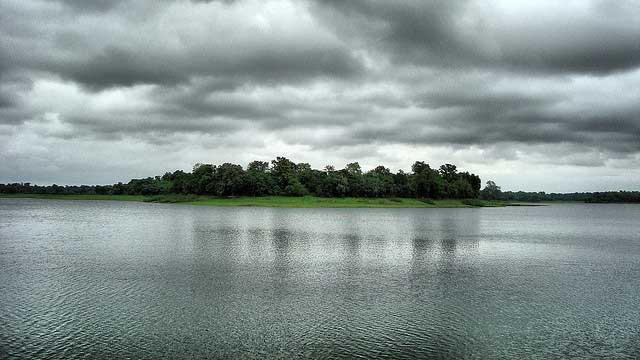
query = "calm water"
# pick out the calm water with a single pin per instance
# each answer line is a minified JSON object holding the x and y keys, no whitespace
{"x":83,"y":279}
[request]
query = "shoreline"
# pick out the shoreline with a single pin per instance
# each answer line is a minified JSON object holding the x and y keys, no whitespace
{"x":280,"y":201}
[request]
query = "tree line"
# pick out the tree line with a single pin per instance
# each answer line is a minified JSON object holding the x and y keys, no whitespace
{"x":284,"y":177}
{"x":493,"y":192}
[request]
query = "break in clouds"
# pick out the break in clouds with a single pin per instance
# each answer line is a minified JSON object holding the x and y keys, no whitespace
{"x":536,"y":95}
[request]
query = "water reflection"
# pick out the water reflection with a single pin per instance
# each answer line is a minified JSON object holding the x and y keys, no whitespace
{"x":281,"y":240}
{"x":351,"y":247}
{"x":147,"y":281}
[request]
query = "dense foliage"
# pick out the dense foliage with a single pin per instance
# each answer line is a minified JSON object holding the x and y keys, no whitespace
{"x":493,"y":192}
{"x":284,"y":177}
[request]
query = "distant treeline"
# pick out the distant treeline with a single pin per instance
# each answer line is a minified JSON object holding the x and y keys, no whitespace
{"x":493,"y":192}
{"x":284,"y":177}
{"x":594,"y":197}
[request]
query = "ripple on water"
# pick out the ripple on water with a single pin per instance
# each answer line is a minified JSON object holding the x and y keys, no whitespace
{"x":119,"y":280}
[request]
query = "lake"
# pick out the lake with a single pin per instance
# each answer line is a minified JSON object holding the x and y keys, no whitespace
{"x":99,"y":279}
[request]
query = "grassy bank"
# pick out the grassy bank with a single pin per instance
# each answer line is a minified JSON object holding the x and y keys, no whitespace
{"x":319,"y":202}
{"x":278,"y":201}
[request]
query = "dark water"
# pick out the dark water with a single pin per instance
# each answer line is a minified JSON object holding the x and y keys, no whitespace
{"x":82,"y":279}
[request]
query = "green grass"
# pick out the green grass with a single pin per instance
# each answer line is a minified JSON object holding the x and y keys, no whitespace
{"x":312,"y":202}
{"x":171,"y":198}
{"x":278,"y":201}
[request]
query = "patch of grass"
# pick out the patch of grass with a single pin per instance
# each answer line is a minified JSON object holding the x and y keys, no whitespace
{"x":278,"y":201}
{"x":310,"y":202}
{"x":171,"y":198}
{"x":320,"y":202}
{"x":427,"y":201}
{"x":474,"y":202}
{"x":487,"y":203}
{"x":529,"y":204}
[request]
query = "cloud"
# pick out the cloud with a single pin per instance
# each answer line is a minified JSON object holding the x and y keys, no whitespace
{"x":533,"y":36}
{"x":487,"y":85}
{"x":173,"y":42}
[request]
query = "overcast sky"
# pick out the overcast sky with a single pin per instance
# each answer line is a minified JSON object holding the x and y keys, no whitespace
{"x":536,"y":95}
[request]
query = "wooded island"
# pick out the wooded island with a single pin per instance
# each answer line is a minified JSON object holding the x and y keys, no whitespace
{"x":281,"y":178}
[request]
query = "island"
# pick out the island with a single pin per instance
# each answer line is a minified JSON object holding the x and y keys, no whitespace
{"x":284,"y":183}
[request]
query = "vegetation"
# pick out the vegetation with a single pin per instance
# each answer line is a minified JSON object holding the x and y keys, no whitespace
{"x":493,"y":192}
{"x":171,"y":198}
{"x":266,"y":184}
{"x":282,"y":177}
{"x":315,"y":202}
{"x":277,"y":201}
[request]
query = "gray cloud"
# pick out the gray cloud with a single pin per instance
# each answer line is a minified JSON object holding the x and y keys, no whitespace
{"x":118,"y":67}
{"x":477,"y":83}
{"x":6,"y":100}
{"x":592,"y":38}
{"x":109,"y":47}
{"x":89,"y":5}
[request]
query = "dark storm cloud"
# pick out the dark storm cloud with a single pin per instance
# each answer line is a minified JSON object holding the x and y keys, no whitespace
{"x":98,"y":53}
{"x":596,"y":37}
{"x":106,"y":5}
{"x":338,"y":77}
{"x":89,"y":5}
{"x":118,"y":67}
{"x":12,"y":111}
{"x":5,"y":100}
{"x":492,"y":103}
{"x":147,"y":127}
{"x":483,"y":127}
{"x":413,"y":30}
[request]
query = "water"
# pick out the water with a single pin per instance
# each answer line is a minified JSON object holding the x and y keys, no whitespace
{"x":89,"y":279}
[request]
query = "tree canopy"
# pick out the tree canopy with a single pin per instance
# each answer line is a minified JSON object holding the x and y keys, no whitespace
{"x":282,"y":176}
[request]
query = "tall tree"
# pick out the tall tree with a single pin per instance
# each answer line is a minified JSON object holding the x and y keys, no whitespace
{"x":491,"y":191}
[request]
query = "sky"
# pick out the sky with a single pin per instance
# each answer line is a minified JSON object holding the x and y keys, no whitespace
{"x":537,"y":95}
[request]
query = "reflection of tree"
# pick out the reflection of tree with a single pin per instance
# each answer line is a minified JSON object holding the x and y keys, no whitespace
{"x":350,"y":266}
{"x":215,"y":252}
{"x":351,"y":240}
{"x":281,"y":242}
{"x":421,"y":246}
{"x":441,"y":239}
{"x":450,"y":233}
{"x":443,"y":279}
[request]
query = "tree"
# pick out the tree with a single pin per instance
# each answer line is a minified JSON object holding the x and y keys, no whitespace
{"x":334,"y":183}
{"x":426,"y":182}
{"x":229,"y":180}
{"x":308,"y":177}
{"x":202,"y":179}
{"x":258,"y":166}
{"x":259,"y":181}
{"x":353,"y":173}
{"x":180,"y":183}
{"x":449,"y":172}
{"x":295,"y":188}
{"x":378,"y":182}
{"x":286,"y":178}
{"x":474,"y":182}
{"x":491,"y":191}
{"x":401,"y":184}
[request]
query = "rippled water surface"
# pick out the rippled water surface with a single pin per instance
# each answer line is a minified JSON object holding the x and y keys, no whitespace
{"x":90,"y":279}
